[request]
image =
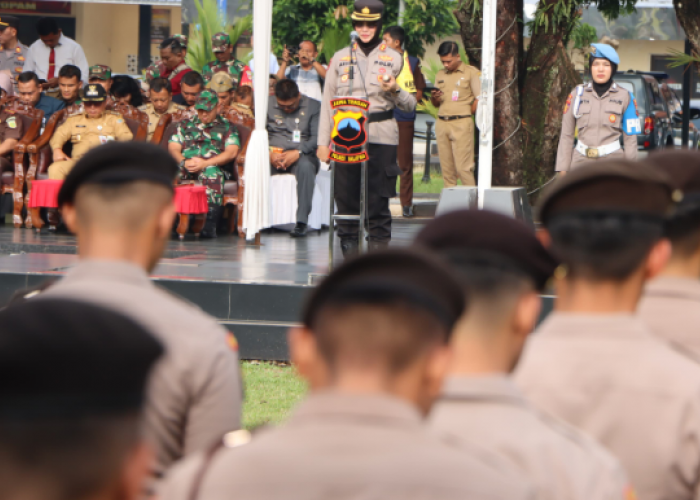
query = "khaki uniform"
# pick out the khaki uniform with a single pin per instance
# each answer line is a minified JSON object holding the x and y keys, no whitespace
{"x":13,"y":61}
{"x":600,"y":124}
{"x":609,"y":376}
{"x":455,"y":136}
{"x":563,"y":463}
{"x":671,"y":308}
{"x":383,"y":137}
{"x":86,"y":133}
{"x":154,"y":117}
{"x":341,"y":446}
{"x":195,"y":390}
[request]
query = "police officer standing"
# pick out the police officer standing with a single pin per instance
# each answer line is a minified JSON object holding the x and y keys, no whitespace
{"x":225,"y":62}
{"x":601,"y":111}
{"x":13,"y":55}
{"x":375,"y":67}
{"x":459,"y":87}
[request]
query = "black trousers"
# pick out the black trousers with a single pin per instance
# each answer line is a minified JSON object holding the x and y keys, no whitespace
{"x":382,"y":171}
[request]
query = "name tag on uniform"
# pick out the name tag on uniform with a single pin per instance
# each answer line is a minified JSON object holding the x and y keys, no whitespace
{"x":455,"y":95}
{"x":296,"y":136}
{"x":104,"y":139}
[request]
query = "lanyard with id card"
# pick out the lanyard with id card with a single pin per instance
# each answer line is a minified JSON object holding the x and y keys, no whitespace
{"x":296,"y":135}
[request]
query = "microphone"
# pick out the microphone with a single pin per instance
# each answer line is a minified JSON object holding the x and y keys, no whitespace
{"x":354,"y":37}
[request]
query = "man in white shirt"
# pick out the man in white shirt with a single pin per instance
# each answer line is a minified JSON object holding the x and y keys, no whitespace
{"x":51,"y":52}
{"x":309,"y":74}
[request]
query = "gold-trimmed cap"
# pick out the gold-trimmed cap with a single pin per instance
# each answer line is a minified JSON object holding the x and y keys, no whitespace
{"x":368,"y":10}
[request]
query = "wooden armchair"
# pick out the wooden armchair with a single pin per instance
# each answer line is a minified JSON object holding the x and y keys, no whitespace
{"x":234,"y":189}
{"x":41,"y":156}
{"x":12,"y":180}
{"x":167,"y":126}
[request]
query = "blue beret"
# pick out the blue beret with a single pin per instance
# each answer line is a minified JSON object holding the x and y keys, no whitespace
{"x":605,"y":51}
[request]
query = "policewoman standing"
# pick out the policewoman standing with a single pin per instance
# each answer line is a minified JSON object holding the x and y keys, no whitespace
{"x":375,"y":67}
{"x":601,"y":111}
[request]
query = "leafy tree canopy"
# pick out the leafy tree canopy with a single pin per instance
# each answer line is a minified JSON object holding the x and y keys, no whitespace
{"x":296,"y":20}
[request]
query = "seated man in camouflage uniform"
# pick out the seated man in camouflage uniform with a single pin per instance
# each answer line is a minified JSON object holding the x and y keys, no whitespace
{"x":203,"y":145}
{"x":86,"y":130}
{"x":225,"y":62}
{"x":161,"y":96}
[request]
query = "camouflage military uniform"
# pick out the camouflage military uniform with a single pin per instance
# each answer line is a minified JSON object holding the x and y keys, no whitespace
{"x":240,"y":73}
{"x":199,"y":140}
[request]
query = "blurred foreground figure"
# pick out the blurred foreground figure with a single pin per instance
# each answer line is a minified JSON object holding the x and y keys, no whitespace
{"x":373,"y":349}
{"x":118,"y":200}
{"x":503,"y":268}
{"x":593,"y":362}
{"x":670,"y":304}
{"x":72,"y":383}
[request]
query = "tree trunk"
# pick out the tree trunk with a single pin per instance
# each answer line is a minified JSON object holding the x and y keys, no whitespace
{"x":507,"y":157}
{"x":688,"y":14}
{"x":507,"y":133}
{"x":550,"y":78}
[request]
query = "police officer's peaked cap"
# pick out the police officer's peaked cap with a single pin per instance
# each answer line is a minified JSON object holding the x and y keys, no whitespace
{"x":94,"y":92}
{"x":8,"y":22}
{"x":62,"y":358}
{"x":482,"y":237}
{"x":386,"y":277}
{"x":368,"y":10}
{"x":609,"y":186}
{"x":119,"y":163}
{"x":605,"y":51}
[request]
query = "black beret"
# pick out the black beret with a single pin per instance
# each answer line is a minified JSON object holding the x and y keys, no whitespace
{"x":383,"y":277}
{"x":64,"y":358}
{"x":120,"y":163}
{"x":609,"y":186}
{"x":471,"y":234}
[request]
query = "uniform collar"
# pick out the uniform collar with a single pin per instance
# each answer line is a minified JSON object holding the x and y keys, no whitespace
{"x":462,"y":68}
{"x":673,"y":287}
{"x":302,"y":105}
{"x":108,"y":270}
{"x":376,"y":409}
{"x":599,"y":326}
{"x":498,"y":387}
{"x":613,"y":88}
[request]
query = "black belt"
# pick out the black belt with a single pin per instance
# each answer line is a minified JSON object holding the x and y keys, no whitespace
{"x":381,"y":116}
{"x":450,"y":118}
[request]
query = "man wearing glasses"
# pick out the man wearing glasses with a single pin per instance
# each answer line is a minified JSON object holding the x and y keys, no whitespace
{"x":374,"y":66}
{"x":85,"y":131}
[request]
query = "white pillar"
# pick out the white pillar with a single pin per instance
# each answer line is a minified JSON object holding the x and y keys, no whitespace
{"x":402,"y":8}
{"x":488,"y":78}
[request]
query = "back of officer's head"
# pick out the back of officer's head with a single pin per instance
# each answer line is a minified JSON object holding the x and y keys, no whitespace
{"x":502,"y":268}
{"x":683,"y":225}
{"x":377,"y":320}
{"x":605,"y":220}
{"x":124,"y":190}
{"x":72,"y":385}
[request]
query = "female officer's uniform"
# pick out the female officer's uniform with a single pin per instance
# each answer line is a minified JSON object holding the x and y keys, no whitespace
{"x":600,"y":120}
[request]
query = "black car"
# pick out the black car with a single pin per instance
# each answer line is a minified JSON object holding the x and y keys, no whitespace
{"x":657,"y":128}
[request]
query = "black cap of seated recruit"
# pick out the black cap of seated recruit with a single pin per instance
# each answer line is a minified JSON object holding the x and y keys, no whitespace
{"x":63,"y":358}
{"x":411,"y":276}
{"x":119,"y":163}
{"x":469,"y":235}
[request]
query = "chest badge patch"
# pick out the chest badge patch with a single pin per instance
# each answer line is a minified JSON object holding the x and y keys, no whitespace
{"x":613,"y":118}
{"x":11,"y":122}
{"x":344,"y":78}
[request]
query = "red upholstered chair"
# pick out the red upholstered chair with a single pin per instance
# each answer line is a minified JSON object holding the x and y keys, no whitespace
{"x":13,"y":173}
{"x":234,"y":188}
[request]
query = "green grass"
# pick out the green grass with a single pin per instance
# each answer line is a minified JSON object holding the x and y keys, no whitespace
{"x":435,"y":186}
{"x":271,"y":391}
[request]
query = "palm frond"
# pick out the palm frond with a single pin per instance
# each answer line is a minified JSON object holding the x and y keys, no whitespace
{"x":333,"y":40}
{"x":678,"y":58}
{"x":425,"y":106}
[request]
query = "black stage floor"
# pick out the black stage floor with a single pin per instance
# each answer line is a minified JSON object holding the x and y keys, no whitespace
{"x":257,"y":292}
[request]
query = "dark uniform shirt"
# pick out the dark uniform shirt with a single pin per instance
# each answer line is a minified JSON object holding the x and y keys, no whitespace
{"x":238,"y":71}
{"x":49,"y":106}
{"x":281,"y":125}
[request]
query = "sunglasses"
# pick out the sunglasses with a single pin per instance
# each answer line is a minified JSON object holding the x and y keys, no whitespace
{"x":90,"y":104}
